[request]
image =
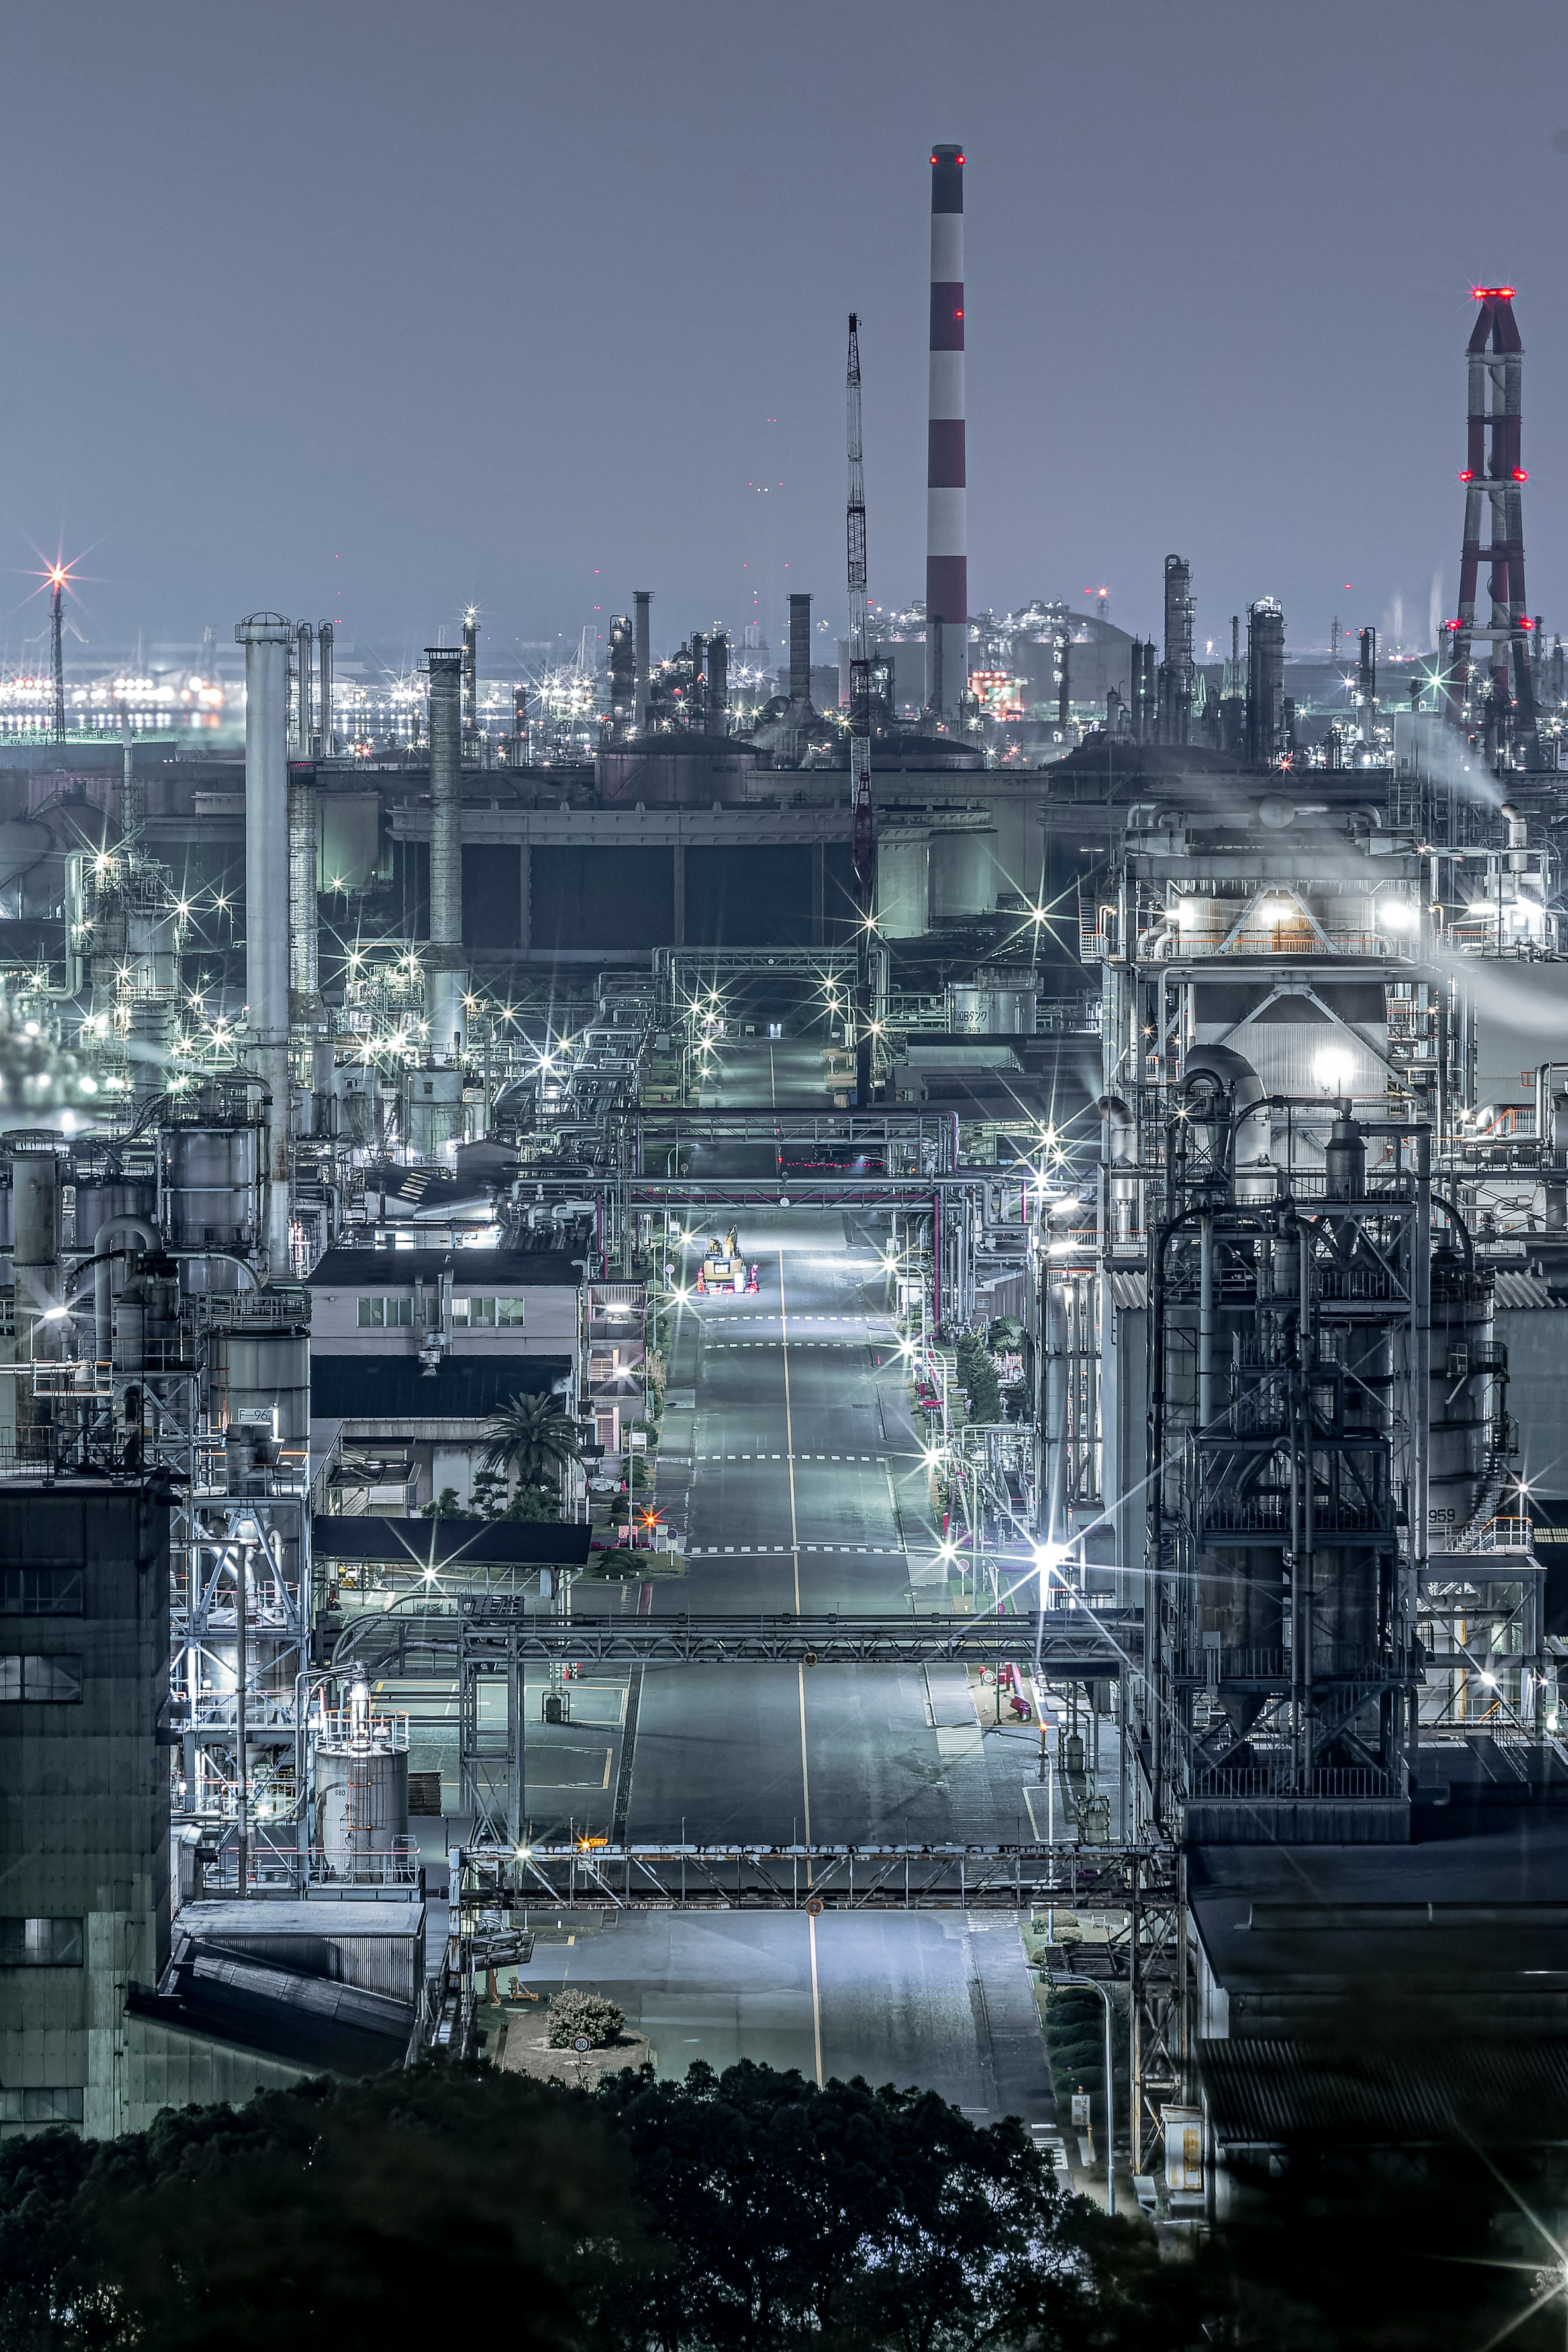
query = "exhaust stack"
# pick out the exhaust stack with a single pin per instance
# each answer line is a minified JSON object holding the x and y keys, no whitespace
{"x":264,"y":636}
{"x":947,"y":495}
{"x":444,"y":957}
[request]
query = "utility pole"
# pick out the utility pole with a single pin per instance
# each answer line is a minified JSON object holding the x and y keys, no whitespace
{"x":863,"y":824}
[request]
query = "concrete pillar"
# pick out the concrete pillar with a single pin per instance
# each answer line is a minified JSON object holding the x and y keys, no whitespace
{"x":264,"y":636}
{"x":819,"y":894}
{"x":678,"y":924}
{"x":525,"y":896}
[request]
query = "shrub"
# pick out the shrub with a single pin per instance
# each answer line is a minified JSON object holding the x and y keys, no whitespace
{"x":574,"y":2014}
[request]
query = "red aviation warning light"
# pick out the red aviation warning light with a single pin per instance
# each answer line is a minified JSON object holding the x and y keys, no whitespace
{"x":1492,"y":293}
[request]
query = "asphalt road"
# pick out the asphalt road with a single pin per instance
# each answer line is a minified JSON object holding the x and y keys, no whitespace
{"x":790,"y":1469}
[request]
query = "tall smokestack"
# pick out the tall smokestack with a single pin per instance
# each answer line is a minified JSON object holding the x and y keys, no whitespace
{"x":641,"y":599}
{"x":470,"y":683}
{"x":1176,"y":672}
{"x":303,"y":982}
{"x":305,"y":691}
{"x":264,"y":636}
{"x":718,"y":684}
{"x":947,"y":518}
{"x":324,"y":646}
{"x":444,"y":957}
{"x":800,"y":649}
{"x":1265,"y":682}
{"x":623,"y":676}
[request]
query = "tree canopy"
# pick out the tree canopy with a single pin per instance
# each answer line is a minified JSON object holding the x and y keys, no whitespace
{"x":748,"y":2209}
{"x":532,"y":1436}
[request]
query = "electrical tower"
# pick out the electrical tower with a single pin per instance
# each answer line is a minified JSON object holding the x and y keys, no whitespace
{"x":863,"y":833}
{"x":1492,"y":471}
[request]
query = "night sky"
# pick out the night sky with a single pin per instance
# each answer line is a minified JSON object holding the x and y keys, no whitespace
{"x":367,"y":310}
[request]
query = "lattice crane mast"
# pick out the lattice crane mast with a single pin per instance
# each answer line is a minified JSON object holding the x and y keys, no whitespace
{"x":863,"y":824}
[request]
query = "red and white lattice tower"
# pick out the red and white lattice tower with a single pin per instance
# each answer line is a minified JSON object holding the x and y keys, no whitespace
{"x":1493,"y":472}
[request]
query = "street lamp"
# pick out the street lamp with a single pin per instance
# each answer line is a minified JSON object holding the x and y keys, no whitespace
{"x":1064,"y":1980}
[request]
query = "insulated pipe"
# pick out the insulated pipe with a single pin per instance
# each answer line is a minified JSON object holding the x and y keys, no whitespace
{"x":325,"y":649}
{"x":641,"y":599}
{"x":264,"y":636}
{"x":1234,"y":1075}
{"x":1120,"y":1150}
{"x":1056,"y":1412}
{"x":444,"y":957}
{"x":135,"y":1228}
{"x":947,"y":496}
{"x":303,"y":912}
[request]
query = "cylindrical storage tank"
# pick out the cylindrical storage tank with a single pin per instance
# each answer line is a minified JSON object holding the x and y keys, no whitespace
{"x":436,"y":1114}
{"x":993,"y":1004}
{"x":362,"y":1804}
{"x":100,"y":1198}
{"x":963,"y":874}
{"x":212,"y":1187}
{"x":261,"y":1381}
{"x":1463,"y":1360}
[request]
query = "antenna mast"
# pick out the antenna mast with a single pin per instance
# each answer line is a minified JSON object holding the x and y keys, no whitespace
{"x":863,"y":826}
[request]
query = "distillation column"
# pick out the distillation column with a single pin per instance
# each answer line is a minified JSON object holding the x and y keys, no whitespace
{"x":266,"y":637}
{"x":444,"y":958}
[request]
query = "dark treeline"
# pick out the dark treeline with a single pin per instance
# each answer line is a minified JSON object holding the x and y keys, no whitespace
{"x":750,"y":2210}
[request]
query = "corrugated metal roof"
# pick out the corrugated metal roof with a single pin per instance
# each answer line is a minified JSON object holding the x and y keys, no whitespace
{"x":1524,"y":1290}
{"x":1266,"y":2093}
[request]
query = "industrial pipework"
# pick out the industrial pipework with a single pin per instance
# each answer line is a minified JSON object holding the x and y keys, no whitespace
{"x":444,"y":957}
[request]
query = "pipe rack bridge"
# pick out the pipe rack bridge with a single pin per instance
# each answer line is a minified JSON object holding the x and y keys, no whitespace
{"x":585,"y":1876}
{"x":1073,"y":1643}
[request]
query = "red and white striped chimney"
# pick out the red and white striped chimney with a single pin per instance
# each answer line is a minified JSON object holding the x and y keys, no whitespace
{"x":947,"y":521}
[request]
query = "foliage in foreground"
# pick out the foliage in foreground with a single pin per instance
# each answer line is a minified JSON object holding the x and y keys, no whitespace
{"x":750,"y":2209}
{"x":586,"y":2016}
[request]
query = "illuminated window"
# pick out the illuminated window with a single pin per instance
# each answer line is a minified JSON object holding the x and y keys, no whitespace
{"x":43,"y":1681}
{"x":40,"y":1944}
{"x":383,"y":1314}
{"x":41,"y":2107}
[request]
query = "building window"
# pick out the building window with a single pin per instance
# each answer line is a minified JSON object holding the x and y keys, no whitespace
{"x":478,"y":1313}
{"x":41,"y":2107}
{"x":40,"y":1679}
{"x":383,"y":1314}
{"x":40,"y":1944}
{"x":40,"y":1592}
{"x":508,"y":1310}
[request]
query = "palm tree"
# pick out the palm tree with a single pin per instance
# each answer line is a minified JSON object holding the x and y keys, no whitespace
{"x":532,"y":1436}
